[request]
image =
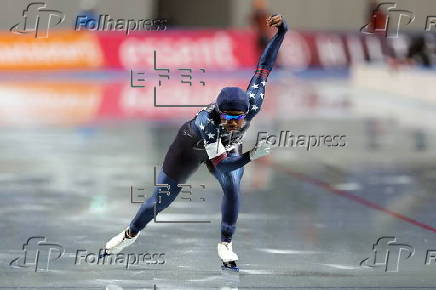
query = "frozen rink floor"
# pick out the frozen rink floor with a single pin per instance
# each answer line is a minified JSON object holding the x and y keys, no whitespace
{"x":308,"y":219}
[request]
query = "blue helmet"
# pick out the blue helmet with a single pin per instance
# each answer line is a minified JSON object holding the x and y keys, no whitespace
{"x":232,"y":99}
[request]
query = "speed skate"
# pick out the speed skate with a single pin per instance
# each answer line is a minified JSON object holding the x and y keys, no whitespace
{"x":227,"y":256}
{"x":118,"y":243}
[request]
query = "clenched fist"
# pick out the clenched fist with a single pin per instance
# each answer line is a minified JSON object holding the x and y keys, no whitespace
{"x":274,"y":20}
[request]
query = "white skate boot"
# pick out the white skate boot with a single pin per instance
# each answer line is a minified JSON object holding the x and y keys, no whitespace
{"x":228,"y":257}
{"x":119,"y":242}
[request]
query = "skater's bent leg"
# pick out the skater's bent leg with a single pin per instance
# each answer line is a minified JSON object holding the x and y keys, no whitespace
{"x":162,"y":200}
{"x":230,"y":183}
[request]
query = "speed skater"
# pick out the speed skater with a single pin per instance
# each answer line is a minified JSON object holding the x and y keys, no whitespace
{"x":214,"y":137}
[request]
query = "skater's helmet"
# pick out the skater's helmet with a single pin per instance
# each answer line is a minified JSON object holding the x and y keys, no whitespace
{"x":232,"y":99}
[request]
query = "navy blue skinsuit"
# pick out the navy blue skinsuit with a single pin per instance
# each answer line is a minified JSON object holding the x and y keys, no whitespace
{"x":203,"y":140}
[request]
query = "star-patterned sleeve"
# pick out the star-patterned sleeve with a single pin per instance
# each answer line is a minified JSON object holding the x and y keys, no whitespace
{"x":215,"y":149}
{"x":210,"y":133}
{"x":256,"y":88}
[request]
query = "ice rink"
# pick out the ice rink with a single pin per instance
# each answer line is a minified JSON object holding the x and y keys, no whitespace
{"x":359,"y":216}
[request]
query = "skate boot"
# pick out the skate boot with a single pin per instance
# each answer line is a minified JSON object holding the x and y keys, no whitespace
{"x":228,"y":257}
{"x":118,"y":243}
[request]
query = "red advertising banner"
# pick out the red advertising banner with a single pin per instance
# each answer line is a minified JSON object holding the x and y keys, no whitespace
{"x":208,"y":49}
{"x":304,"y":50}
{"x":234,"y":49}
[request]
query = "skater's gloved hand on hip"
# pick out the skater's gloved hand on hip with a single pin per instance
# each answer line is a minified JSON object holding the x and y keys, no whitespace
{"x":261,"y":149}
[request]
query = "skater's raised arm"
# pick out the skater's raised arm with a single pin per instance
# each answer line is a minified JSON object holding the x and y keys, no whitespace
{"x":256,"y":88}
{"x":237,"y":99}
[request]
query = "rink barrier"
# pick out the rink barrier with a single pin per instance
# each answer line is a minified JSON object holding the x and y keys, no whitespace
{"x":402,"y":92}
{"x":210,"y":49}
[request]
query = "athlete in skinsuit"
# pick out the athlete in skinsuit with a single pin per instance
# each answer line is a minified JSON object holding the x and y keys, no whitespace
{"x":212,"y":137}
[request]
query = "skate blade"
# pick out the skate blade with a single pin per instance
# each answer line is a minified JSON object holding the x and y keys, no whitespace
{"x":230,"y":266}
{"x":101,"y":256}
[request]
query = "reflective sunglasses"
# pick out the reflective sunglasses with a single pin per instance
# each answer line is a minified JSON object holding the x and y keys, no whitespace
{"x":232,"y":117}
